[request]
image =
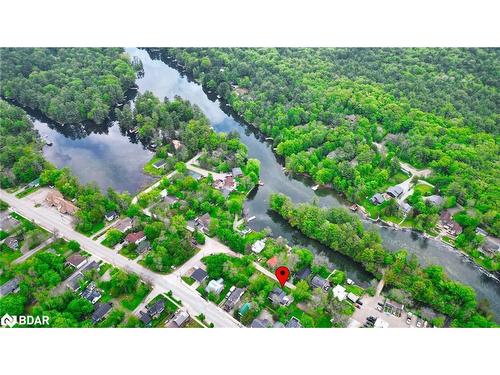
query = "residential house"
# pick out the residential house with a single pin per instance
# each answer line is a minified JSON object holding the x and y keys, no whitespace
{"x":124,"y":225}
{"x":100,"y":313}
{"x":279,"y":297}
{"x":11,"y":242}
{"x":258,"y":246}
{"x":233,"y":298}
{"x":74,"y":282}
{"x":136,"y":237}
{"x":490,"y":247}
{"x":177,"y":144}
{"x":55,"y":199}
{"x":303,"y":274}
{"x":156,"y":308}
{"x":76,"y":260}
{"x":179,"y":320}
{"x":435,"y":200}
{"x":7,"y":222}
{"x":278,"y":325}
{"x":272,"y":262}
{"x":377,"y":199}
{"x":142,"y":247}
{"x":195,"y":175}
{"x":236,"y":172}
{"x":339,"y":292}
{"x":168,"y":199}
{"x":229,"y":183}
{"x":203,"y":222}
{"x":91,"y":266}
{"x":260,"y":323}
{"x":33,"y":184}
{"x":110,"y":216}
{"x":215,"y":286}
{"x":405,"y":208}
{"x":145,"y":318}
{"x":244,"y":309}
{"x":91,"y":294}
{"x":293,"y":323}
{"x":199,"y":275}
{"x":395,"y":191}
{"x":159,"y":163}
{"x":319,"y":282}
{"x":11,"y":286}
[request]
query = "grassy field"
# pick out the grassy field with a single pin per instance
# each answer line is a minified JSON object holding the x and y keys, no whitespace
{"x":424,"y":189}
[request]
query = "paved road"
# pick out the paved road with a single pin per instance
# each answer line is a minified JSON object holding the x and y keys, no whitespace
{"x":193,"y":302}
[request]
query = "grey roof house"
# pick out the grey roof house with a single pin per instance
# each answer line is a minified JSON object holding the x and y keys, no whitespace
{"x":377,"y":199}
{"x":199,"y":275}
{"x":10,"y":286}
{"x":101,"y":311}
{"x":233,"y":298}
{"x":319,"y":282}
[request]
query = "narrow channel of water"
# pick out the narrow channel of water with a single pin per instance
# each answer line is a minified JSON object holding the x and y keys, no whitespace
{"x":105,"y":155}
{"x":163,"y":79}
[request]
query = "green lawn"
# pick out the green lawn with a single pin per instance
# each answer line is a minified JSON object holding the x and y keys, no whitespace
{"x":188,"y":280}
{"x":148,"y":168}
{"x":398,"y":178}
{"x":131,"y":302}
{"x":27,"y":191}
{"x":424,"y":189}
{"x":96,"y":228}
{"x":108,"y":242}
{"x":129,"y":253}
{"x":7,"y":255}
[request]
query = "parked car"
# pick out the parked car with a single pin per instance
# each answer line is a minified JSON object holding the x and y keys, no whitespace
{"x":379,"y":308}
{"x":419,"y":323}
{"x":408,"y":321}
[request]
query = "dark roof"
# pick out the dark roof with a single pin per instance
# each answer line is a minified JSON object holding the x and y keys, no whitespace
{"x":101,"y":311}
{"x":91,"y":266}
{"x":74,"y":282}
{"x":145,"y":318}
{"x":9,"y":286}
{"x":319,"y":282}
{"x":143,"y":246}
{"x":377,"y":199}
{"x":293,"y":323}
{"x":76,"y":259}
{"x":303,"y":273}
{"x":156,"y":308}
{"x":260,"y":323}
{"x":199,"y":275}
{"x":234,"y":297}
{"x":90,"y":294}
{"x":236,"y":172}
{"x":395,"y":191}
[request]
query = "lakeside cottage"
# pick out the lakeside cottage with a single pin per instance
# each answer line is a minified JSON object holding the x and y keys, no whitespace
{"x":377,"y":199}
{"x":395,"y":191}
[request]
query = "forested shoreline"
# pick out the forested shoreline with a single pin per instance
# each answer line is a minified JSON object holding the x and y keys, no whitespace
{"x":327,"y":120}
{"x":342,"y":232}
{"x":68,"y":85}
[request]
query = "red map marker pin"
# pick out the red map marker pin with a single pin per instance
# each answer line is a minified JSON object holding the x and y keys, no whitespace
{"x":282,"y":274}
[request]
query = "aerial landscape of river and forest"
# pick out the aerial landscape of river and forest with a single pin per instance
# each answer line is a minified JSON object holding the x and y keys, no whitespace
{"x":167,"y":187}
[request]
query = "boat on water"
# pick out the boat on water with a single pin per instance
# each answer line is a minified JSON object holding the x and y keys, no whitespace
{"x":315,"y":187}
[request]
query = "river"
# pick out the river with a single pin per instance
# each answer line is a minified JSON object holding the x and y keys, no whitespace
{"x":98,"y":151}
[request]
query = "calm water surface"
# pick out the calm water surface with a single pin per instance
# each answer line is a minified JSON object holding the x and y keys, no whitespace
{"x":113,"y":159}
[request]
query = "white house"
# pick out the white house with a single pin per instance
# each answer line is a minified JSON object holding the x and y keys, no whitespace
{"x":339,"y":292}
{"x":258,"y":246}
{"x":215,"y":286}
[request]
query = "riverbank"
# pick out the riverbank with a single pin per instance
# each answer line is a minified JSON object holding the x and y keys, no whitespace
{"x":226,"y":107}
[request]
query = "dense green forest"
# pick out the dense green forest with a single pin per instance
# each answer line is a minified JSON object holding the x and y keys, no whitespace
{"x":21,"y":159}
{"x":327,"y":108}
{"x":344,"y":233}
{"x":68,"y":85}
